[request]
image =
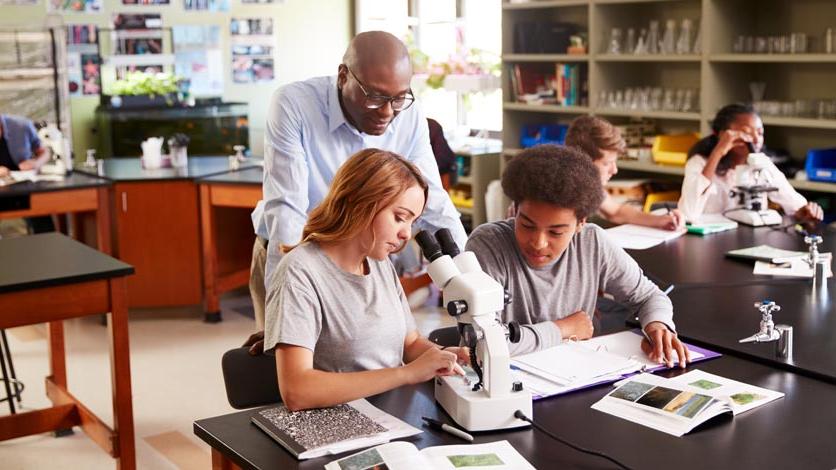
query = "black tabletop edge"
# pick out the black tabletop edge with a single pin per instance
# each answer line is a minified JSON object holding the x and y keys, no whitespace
{"x":127,"y":270}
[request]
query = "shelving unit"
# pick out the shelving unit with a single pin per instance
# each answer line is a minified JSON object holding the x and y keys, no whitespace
{"x":721,"y":76}
{"x":484,"y":168}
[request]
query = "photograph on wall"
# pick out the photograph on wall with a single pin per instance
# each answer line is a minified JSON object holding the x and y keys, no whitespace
{"x":83,"y":51}
{"x":81,"y":34}
{"x":136,"y":34}
{"x":206,"y":5}
{"x":74,"y":82}
{"x":251,"y":27}
{"x":252,"y":70}
{"x":91,"y":77}
{"x":81,"y":6}
{"x":123,"y":21}
{"x":198,"y":58}
{"x":123,"y":70}
{"x":253,"y":44}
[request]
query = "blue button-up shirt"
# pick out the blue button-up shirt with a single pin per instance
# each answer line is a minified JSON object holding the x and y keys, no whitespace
{"x":21,"y":137}
{"x":307,"y":139}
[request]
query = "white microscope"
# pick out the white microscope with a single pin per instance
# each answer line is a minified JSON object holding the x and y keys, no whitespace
{"x":751,"y":190}
{"x":61,"y":161}
{"x":474,"y":298}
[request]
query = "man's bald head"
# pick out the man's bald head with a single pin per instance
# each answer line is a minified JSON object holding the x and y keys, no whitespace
{"x":377,"y":49}
{"x":376,"y":64}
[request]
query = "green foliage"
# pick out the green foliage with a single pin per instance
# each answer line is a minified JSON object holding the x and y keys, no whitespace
{"x":140,"y":83}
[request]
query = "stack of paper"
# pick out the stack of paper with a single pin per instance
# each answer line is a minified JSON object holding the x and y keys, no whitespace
{"x":637,"y":237}
{"x":765,"y":253}
{"x":793,"y":267}
{"x":33,"y":176}
{"x":575,"y":365}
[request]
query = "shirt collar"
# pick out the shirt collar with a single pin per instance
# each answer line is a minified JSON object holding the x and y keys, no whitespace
{"x":336,"y":118}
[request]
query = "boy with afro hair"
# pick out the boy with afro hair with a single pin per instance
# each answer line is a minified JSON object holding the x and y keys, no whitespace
{"x":554,"y":263}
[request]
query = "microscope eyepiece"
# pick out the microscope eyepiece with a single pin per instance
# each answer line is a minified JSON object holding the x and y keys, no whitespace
{"x":448,"y":245}
{"x":429,"y":245}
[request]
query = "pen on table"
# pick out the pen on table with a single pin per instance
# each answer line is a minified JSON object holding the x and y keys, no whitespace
{"x":436,"y":424}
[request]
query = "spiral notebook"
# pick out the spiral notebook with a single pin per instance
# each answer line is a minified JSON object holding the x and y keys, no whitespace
{"x":321,"y":431}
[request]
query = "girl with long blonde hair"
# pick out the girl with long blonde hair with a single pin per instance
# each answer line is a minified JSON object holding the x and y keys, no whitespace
{"x":336,"y":315}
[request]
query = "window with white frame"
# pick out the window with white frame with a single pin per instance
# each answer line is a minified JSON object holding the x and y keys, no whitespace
{"x":455,"y":46}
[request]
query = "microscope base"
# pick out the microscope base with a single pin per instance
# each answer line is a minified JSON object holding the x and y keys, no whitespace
{"x":755,"y":218}
{"x":475,"y":411}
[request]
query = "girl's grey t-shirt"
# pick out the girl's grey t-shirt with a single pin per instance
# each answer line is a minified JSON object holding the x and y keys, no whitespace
{"x":351,"y":322}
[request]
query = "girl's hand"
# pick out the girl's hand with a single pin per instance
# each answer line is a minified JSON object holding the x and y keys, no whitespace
{"x":730,"y":139}
{"x":432,"y":362}
{"x":462,"y":354}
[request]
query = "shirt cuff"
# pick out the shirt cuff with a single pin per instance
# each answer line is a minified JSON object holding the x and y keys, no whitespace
{"x":548,"y":334}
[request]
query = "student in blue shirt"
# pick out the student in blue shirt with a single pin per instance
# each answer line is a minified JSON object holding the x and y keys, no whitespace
{"x":21,"y":150}
{"x":20,"y":147}
{"x":313,"y":126}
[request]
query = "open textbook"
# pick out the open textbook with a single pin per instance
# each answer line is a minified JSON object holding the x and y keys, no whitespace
{"x":678,"y":405}
{"x":637,"y":237}
{"x":498,"y":455}
{"x":321,"y":431}
{"x":573,"y":365}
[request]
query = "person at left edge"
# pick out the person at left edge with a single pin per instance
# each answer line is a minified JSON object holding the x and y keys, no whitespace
{"x":20,"y":146}
{"x":21,"y":150}
{"x":312,"y":128}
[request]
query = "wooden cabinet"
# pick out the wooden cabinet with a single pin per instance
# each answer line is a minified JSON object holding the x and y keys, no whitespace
{"x":158,"y":232}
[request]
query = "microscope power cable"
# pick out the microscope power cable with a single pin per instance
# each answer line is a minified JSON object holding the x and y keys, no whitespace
{"x":520,"y":415}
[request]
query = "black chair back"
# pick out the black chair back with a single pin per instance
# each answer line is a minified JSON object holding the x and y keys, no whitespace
{"x":250,"y":380}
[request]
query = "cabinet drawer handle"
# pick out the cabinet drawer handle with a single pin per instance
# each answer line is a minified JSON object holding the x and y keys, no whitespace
{"x":124,"y":202}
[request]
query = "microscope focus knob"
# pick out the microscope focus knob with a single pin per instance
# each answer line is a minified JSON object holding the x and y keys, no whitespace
{"x":456,"y":307}
{"x":517,"y":386}
{"x":514,"y":332}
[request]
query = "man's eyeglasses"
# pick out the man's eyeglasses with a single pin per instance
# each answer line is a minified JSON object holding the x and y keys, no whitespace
{"x":398,"y":103}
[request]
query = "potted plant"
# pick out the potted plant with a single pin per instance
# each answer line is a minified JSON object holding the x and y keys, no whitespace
{"x":143,"y":90}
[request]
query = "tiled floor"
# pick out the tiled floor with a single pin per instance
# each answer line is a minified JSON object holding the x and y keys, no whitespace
{"x":175,"y":370}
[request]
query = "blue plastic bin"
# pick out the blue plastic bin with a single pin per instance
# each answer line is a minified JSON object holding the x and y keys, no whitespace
{"x":821,"y":165}
{"x":537,"y":134}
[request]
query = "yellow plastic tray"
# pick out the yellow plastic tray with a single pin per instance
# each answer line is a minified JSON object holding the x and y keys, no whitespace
{"x":673,"y":149}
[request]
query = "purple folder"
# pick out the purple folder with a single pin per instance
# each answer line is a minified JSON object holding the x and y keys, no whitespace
{"x":707,"y":354}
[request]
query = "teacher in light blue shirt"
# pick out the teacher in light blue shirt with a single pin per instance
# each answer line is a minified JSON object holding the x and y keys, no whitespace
{"x":313,"y":126}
